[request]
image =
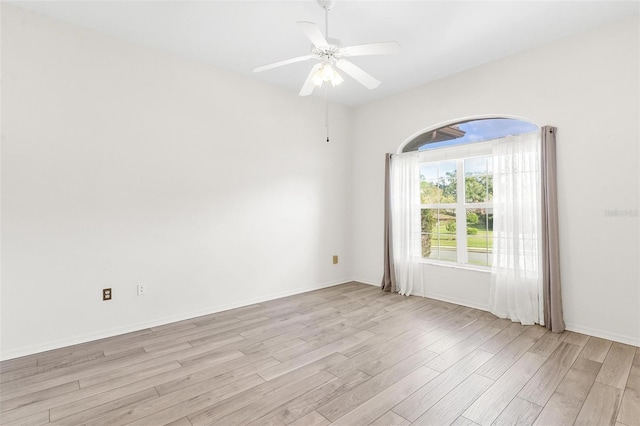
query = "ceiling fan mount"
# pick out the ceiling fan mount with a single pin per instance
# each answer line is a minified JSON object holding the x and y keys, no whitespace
{"x":329,"y":53}
{"x":326,"y":4}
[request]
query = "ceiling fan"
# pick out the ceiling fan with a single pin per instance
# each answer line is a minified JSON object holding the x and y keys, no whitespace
{"x":329,"y":53}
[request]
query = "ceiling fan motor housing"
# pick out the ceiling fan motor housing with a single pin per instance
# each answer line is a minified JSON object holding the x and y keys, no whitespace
{"x":329,"y":53}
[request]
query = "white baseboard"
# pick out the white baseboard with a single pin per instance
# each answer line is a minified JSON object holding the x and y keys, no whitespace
{"x":365,"y":281}
{"x":462,"y":302}
{"x":88,"y":337}
{"x":456,"y":301}
{"x":630,"y":340}
{"x":603,"y":334}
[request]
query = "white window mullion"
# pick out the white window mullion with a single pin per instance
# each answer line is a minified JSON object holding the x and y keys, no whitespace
{"x":461,"y":214}
{"x":459,"y":206}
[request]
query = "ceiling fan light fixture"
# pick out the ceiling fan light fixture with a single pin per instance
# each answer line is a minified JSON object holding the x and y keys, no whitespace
{"x":327,"y":73}
{"x":336,"y":79}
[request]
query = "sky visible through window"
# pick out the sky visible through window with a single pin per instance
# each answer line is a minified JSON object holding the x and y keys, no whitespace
{"x":483,"y":130}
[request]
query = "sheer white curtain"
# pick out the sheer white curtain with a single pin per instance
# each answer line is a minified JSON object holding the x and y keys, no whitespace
{"x":405,"y":219}
{"x":516,"y":281}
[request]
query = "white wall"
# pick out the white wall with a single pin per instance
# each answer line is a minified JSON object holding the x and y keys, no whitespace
{"x":124,"y":165}
{"x":587,"y":86}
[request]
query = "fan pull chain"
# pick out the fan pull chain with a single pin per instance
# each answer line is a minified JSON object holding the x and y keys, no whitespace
{"x":326,"y":90}
{"x":326,"y":110}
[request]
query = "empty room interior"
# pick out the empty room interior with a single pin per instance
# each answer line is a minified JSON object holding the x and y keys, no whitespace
{"x":320,"y":212}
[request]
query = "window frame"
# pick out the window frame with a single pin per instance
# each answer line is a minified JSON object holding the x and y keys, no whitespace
{"x":457,"y":153}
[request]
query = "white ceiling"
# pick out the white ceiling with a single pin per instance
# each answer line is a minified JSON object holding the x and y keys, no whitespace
{"x":438,"y":38}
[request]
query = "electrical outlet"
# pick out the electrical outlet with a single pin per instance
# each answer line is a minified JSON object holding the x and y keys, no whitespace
{"x":335,"y":259}
{"x":142,"y":289}
{"x":106,"y":294}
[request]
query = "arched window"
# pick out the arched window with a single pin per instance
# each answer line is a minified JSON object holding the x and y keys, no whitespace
{"x":456,"y":188}
{"x":479,"y":193}
{"x":468,"y":131}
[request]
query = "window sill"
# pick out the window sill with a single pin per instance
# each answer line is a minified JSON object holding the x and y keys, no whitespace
{"x":484,"y":269}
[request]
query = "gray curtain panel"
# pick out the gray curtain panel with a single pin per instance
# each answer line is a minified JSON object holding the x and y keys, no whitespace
{"x":389,"y":278}
{"x":552,"y":293}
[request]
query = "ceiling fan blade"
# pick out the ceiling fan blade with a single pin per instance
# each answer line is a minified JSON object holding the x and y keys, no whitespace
{"x":308,"y":85}
{"x":383,"y":48}
{"x":358,"y":74}
{"x":281,"y":63}
{"x":313,"y":33}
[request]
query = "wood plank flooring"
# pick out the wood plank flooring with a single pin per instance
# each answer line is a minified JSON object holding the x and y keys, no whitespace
{"x":344,"y":355}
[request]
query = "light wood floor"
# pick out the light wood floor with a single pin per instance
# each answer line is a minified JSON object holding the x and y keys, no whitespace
{"x":345,"y":355}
